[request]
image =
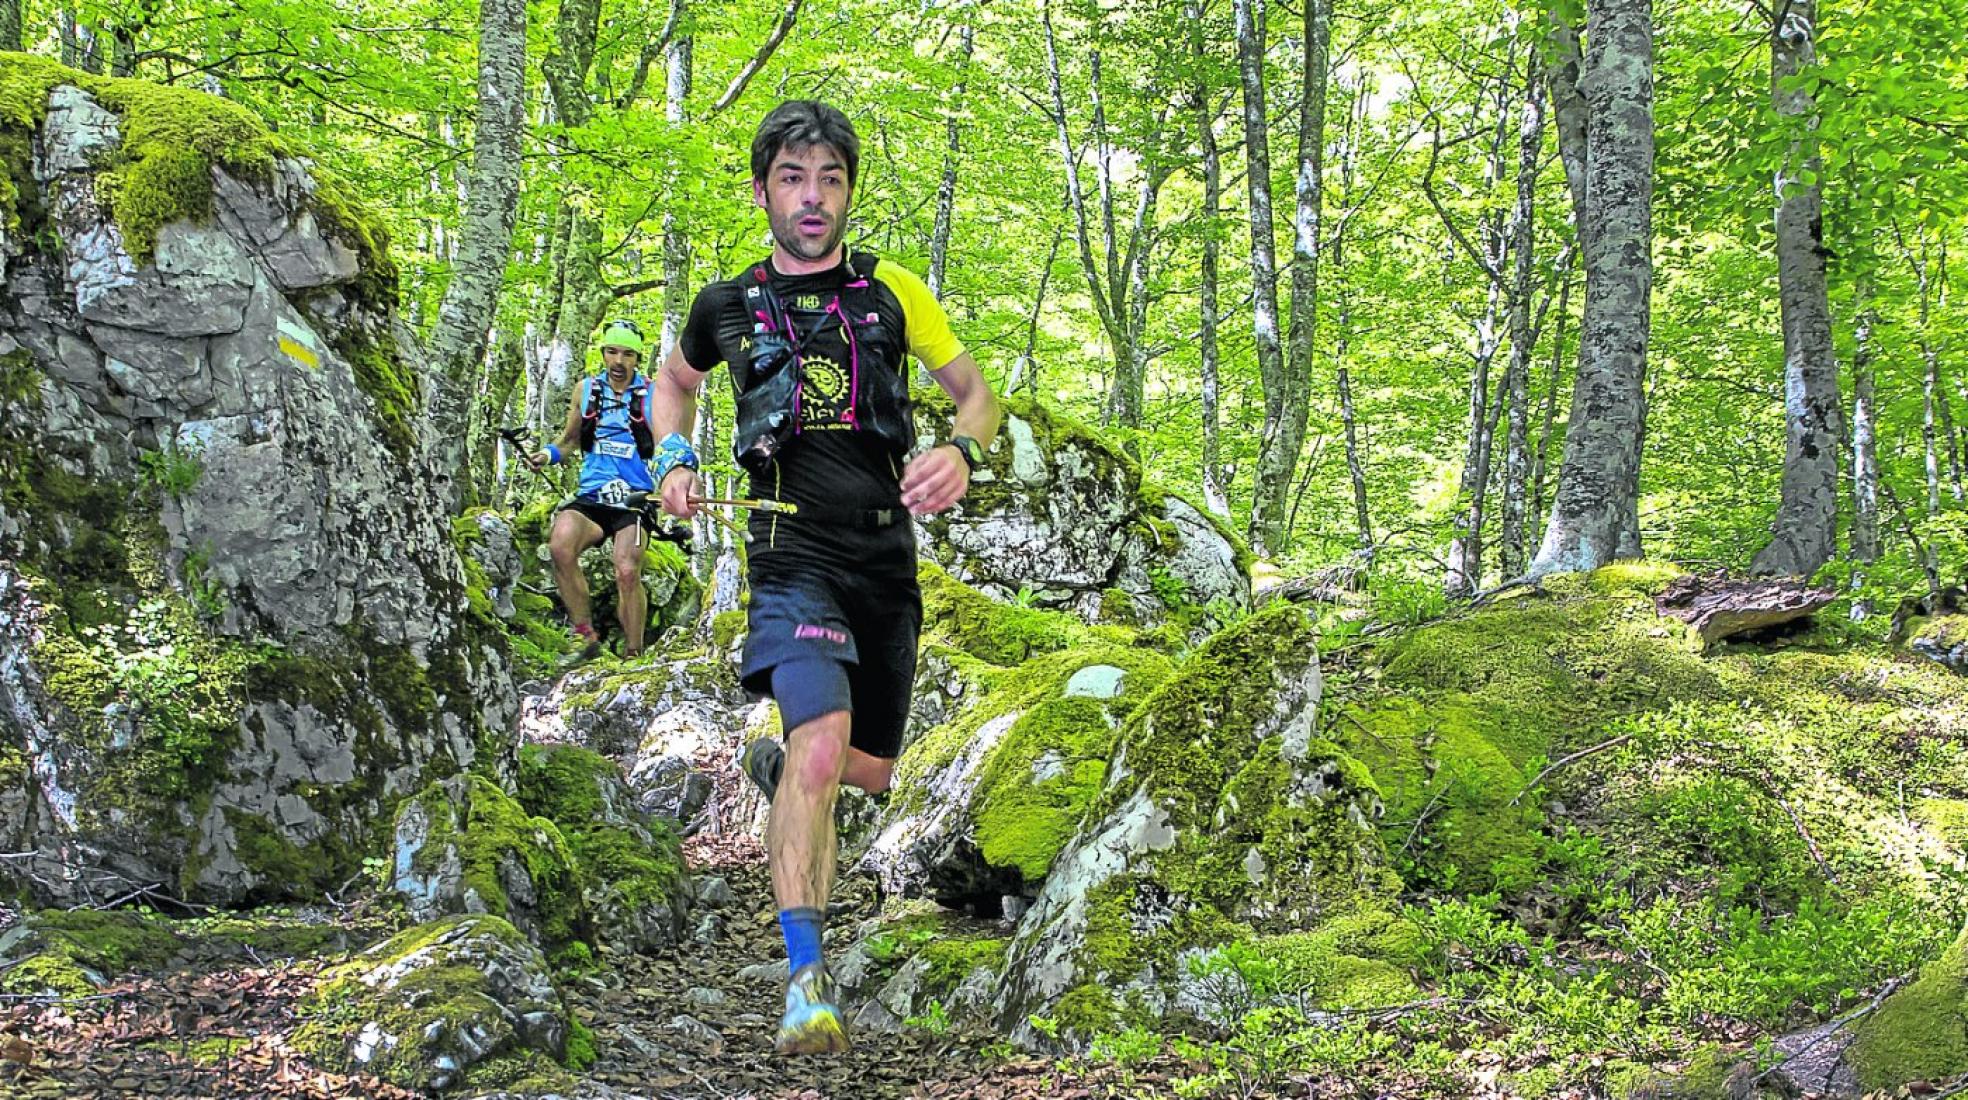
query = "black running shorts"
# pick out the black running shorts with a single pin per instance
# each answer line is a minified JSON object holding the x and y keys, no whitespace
{"x":609,"y":519}
{"x":868,"y":625}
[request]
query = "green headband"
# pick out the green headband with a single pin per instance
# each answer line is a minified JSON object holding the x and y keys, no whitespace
{"x":619,"y":335}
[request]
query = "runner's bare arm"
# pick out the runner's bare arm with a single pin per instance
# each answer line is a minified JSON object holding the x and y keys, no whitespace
{"x":570,"y":435}
{"x":673,"y":408}
{"x":939,"y":477}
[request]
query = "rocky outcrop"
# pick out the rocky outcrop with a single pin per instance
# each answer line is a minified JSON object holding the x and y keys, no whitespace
{"x":434,"y":1004}
{"x":209,"y":436}
{"x":570,"y":859}
{"x":1223,"y":809}
{"x":1061,"y":518}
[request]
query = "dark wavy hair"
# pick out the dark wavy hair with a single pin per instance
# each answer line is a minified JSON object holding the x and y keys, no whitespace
{"x":801,"y":124}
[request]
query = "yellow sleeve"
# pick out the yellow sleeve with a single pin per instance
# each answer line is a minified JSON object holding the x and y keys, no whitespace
{"x":929,"y":335}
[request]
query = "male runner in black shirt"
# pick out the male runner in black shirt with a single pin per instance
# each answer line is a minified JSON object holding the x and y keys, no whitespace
{"x":816,"y":337}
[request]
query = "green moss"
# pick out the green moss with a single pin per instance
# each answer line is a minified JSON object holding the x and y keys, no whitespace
{"x":1360,"y":959}
{"x":619,"y":868}
{"x":391,"y":385}
{"x":726,"y":626}
{"x":109,"y":942}
{"x":497,"y":828}
{"x":970,"y":621}
{"x":287,"y":868}
{"x":431,"y":1001}
{"x":1023,"y":820}
{"x":1947,"y":817}
{"x":216,"y":1051}
{"x":50,"y":975}
{"x":950,"y":961}
{"x":580,"y":1046}
{"x":1921,"y":1032}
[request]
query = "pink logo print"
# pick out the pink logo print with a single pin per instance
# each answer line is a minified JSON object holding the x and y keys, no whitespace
{"x":826,"y":634}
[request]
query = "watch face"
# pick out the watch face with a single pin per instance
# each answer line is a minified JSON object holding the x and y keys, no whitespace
{"x":972,"y":452}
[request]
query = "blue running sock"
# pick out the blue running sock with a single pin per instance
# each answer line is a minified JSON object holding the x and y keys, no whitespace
{"x":801,"y":928}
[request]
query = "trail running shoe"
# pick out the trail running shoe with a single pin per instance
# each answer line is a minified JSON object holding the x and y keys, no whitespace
{"x":762,"y":762}
{"x":811,"y":1025}
{"x":585,"y":646}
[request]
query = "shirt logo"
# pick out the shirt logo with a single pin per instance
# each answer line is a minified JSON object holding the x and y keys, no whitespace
{"x":807,"y":301}
{"x":823,"y":633}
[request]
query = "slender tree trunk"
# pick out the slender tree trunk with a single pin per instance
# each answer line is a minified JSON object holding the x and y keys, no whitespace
{"x":1465,"y":572}
{"x":457,"y":346}
{"x":1541,"y":460}
{"x":1513,"y":550}
{"x":1216,"y":496}
{"x":505,"y":364}
{"x":1349,"y":420}
{"x":1865,"y":452}
{"x":1595,"y":516}
{"x":1806,"y":529}
{"x":81,"y":46}
{"x":1117,"y":283}
{"x":1278,"y":464}
{"x":1951,"y":440}
{"x":1269,"y":487}
{"x":946,"y":192}
{"x":1025,"y":369}
{"x":581,"y":296}
{"x":10,"y":24}
{"x":1930,"y":387}
{"x":676,"y":244}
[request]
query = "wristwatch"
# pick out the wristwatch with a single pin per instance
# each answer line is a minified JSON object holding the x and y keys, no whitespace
{"x":973,"y":453}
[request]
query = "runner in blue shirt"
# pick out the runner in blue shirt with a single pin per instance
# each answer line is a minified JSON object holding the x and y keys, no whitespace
{"x":608,"y":426}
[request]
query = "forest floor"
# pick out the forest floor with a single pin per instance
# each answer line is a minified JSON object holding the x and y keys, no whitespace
{"x":695,"y":1023}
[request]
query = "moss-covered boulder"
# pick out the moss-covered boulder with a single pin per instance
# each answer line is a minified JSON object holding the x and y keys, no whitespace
{"x":922,"y":966}
{"x":1224,"y":814}
{"x":1921,"y":1032}
{"x":465,"y":1002}
{"x":1063,"y":517}
{"x":239,"y":627}
{"x":75,"y":953}
{"x":1943,"y":638}
{"x":465,"y":846}
{"x":985,"y":803}
{"x":630,"y":865}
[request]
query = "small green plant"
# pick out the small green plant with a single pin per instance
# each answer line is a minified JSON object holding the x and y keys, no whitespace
{"x":208,"y":597}
{"x":1026,"y":596}
{"x":1172,"y":590}
{"x":936,"y":1020}
{"x":1044,"y":1025}
{"x":1407,"y":601}
{"x":172,"y":471}
{"x":1126,"y":1048}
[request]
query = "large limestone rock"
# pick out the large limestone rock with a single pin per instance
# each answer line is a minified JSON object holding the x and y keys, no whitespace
{"x":1066,"y":519}
{"x":988,"y":800}
{"x":237,"y":627}
{"x":428,"y":1007}
{"x":1224,"y":813}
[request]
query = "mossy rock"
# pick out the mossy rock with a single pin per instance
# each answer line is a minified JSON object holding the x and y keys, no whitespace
{"x":74,"y":952}
{"x":1226,"y":818}
{"x":463,"y":845}
{"x":920,"y":962}
{"x":465,"y":1002}
{"x":988,"y":800}
{"x":629,"y":866}
{"x":1921,"y":1032}
{"x":1712,"y":1073}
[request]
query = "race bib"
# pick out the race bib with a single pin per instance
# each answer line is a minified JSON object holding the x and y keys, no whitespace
{"x":615,"y":448}
{"x":615,"y":493}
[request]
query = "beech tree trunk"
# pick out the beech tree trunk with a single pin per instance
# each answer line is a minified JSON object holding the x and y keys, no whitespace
{"x":1541,"y":460}
{"x":1512,"y":550}
{"x":1806,"y":529}
{"x":946,"y":191}
{"x":1216,"y":496}
{"x":1349,"y":421}
{"x":1865,"y":452}
{"x":1117,"y":281}
{"x":1595,"y":514}
{"x":10,"y":24}
{"x":676,"y":244}
{"x":457,"y":345}
{"x":1268,"y":489}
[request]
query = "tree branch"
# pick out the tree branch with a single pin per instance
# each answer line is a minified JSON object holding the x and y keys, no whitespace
{"x":764,"y":54}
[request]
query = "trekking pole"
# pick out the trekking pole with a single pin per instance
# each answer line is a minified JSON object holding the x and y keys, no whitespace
{"x":783,"y":507}
{"x":516,"y":439}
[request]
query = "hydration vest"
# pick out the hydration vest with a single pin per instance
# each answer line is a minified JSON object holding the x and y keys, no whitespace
{"x":600,"y":399}
{"x":768,"y":385}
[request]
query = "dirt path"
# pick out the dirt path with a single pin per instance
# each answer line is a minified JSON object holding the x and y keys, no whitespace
{"x":692,"y":1024}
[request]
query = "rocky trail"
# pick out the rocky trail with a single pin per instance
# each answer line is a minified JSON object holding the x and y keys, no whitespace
{"x":692,"y":1024}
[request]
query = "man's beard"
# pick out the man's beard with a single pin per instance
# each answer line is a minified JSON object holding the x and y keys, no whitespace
{"x":785,"y":230}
